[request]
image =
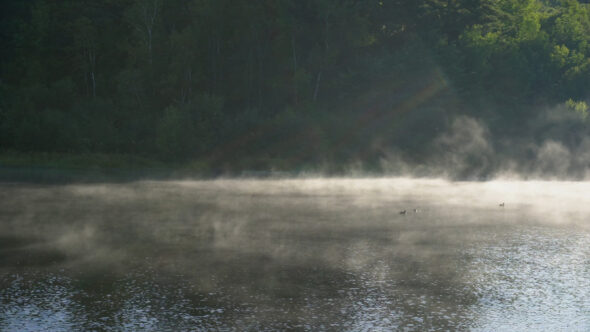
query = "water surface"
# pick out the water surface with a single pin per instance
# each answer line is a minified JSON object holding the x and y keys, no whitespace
{"x":309,"y":254}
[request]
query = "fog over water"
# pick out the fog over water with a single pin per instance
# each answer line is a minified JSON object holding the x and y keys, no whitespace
{"x":550,"y":146}
{"x":296,"y":254}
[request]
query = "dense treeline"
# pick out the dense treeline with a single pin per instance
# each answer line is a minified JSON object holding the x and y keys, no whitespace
{"x":280,"y":83}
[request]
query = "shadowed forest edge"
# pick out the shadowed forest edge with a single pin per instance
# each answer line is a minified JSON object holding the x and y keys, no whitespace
{"x":467,"y":88}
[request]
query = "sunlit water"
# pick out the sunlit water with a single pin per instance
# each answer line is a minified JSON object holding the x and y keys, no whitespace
{"x":296,"y":255}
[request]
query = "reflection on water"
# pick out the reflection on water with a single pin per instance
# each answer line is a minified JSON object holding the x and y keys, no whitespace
{"x":296,"y":255}
{"x":536,"y":280}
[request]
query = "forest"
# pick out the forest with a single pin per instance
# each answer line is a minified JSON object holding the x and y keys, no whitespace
{"x":290,"y":85}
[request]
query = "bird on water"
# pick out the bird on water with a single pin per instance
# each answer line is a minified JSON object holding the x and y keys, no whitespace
{"x":402,"y":212}
{"x":502,"y":204}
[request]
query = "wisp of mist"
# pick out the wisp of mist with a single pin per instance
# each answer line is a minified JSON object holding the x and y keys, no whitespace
{"x":307,"y":254}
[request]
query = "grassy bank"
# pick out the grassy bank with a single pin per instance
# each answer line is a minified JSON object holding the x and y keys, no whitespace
{"x":89,"y":167}
{"x":41,"y":167}
{"x":96,"y":161}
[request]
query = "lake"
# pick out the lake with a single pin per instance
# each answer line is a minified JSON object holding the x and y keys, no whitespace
{"x":296,"y":254}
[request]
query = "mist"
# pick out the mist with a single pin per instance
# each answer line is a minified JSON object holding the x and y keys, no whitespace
{"x":295,"y":254}
{"x":240,"y":165}
{"x":552,"y":146}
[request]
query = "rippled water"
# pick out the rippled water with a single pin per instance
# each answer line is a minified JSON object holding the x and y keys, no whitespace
{"x":296,"y":255}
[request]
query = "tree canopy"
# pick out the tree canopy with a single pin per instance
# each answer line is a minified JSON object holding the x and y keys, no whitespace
{"x":294,"y":81}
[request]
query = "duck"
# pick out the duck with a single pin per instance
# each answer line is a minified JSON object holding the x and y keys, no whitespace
{"x":502,"y":204}
{"x":402,"y":212}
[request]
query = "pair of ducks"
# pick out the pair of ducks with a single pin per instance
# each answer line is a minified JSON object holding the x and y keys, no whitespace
{"x":416,"y":210}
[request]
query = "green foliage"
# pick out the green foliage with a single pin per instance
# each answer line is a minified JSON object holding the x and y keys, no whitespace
{"x":190,"y":129}
{"x":282,"y":80}
{"x":579,"y":107}
{"x":175,"y":134}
